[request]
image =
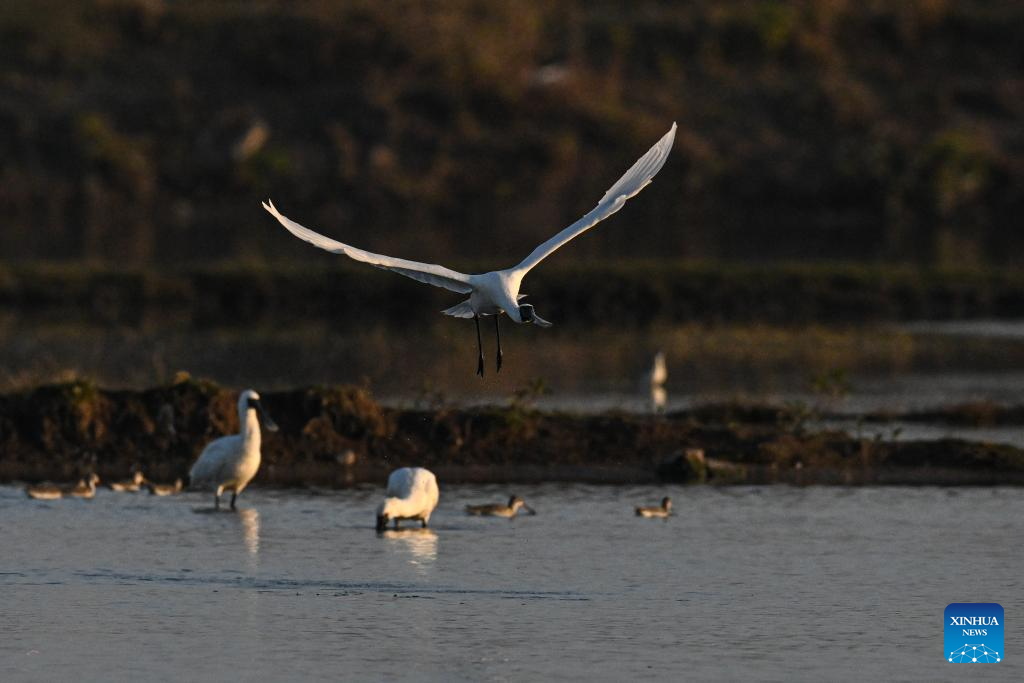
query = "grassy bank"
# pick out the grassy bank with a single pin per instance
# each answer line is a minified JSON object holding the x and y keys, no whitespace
{"x":337,"y":436}
{"x":631,"y":294}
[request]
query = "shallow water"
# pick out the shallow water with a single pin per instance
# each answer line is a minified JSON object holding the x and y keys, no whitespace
{"x":765,"y":583}
{"x":920,"y":365}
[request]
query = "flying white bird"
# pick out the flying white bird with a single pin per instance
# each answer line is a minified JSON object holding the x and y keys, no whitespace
{"x":497,"y":292}
{"x":230,"y":462}
{"x":412,"y":494}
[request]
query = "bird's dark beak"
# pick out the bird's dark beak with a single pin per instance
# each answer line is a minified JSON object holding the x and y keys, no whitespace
{"x":528,"y":314}
{"x":265,"y":420}
{"x":529,"y":509}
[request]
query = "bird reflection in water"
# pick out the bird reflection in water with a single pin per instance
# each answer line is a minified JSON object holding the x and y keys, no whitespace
{"x":250,"y":520}
{"x":419,"y":544}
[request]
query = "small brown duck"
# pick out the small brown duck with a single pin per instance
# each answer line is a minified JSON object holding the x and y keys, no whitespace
{"x":664,"y":511}
{"x":165,"y":489}
{"x":85,"y":488}
{"x":515,"y":503}
{"x":44,"y":491}
{"x":132,"y":485}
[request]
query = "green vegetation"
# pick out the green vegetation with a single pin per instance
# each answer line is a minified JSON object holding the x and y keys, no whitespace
{"x":340,"y":436}
{"x":620,"y":294}
{"x":136,"y":132}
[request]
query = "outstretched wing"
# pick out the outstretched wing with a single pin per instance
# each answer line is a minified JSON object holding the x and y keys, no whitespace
{"x":629,"y":185}
{"x":432,"y":274}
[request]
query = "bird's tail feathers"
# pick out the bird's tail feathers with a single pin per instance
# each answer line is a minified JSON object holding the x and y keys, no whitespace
{"x":463,"y":310}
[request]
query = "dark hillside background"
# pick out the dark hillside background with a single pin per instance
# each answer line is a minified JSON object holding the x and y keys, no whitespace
{"x":146,"y":132}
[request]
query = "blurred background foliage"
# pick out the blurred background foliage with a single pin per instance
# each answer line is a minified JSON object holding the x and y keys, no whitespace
{"x":146,"y":132}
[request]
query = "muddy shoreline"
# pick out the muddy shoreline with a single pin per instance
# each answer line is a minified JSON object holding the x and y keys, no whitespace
{"x":339,"y":436}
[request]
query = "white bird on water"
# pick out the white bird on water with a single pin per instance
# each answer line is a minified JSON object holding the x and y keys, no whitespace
{"x":230,"y":462}
{"x":411,"y":494}
{"x":497,"y":292}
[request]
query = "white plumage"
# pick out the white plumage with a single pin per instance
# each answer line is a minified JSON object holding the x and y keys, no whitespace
{"x":412,"y":493}
{"x":230,"y":462}
{"x":497,"y":292}
{"x":656,"y":378}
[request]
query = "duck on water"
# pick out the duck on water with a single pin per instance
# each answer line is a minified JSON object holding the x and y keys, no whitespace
{"x":515,"y":504}
{"x":132,"y":485}
{"x":663,"y":511}
{"x":85,"y":488}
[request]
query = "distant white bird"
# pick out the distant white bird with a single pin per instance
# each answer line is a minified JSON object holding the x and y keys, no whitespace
{"x":659,"y":371}
{"x":663,"y":511}
{"x":497,"y":292}
{"x":515,"y":503}
{"x":412,"y":494}
{"x":230,"y":462}
{"x":656,"y":378}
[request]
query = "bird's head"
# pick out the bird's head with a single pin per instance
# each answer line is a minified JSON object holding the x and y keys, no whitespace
{"x":528,"y":315}
{"x":515,"y":502}
{"x":383,"y":516}
{"x":666,"y":503}
{"x":250,"y":400}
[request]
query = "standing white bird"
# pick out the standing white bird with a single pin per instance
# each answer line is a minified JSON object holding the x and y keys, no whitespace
{"x":230,"y":462}
{"x":497,"y":292}
{"x":411,"y":494}
{"x":656,"y":378}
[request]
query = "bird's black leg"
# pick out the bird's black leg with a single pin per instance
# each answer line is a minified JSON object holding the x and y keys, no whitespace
{"x":423,"y":524}
{"x":216,"y":501}
{"x":479,"y":348}
{"x":233,"y":496}
{"x":498,"y":335}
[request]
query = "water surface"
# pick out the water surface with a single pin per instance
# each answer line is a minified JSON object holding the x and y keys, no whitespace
{"x":762,"y":583}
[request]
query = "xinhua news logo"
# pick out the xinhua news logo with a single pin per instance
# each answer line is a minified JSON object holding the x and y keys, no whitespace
{"x":974,"y":633}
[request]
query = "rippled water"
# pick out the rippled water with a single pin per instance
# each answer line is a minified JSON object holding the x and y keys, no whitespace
{"x":773,"y":583}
